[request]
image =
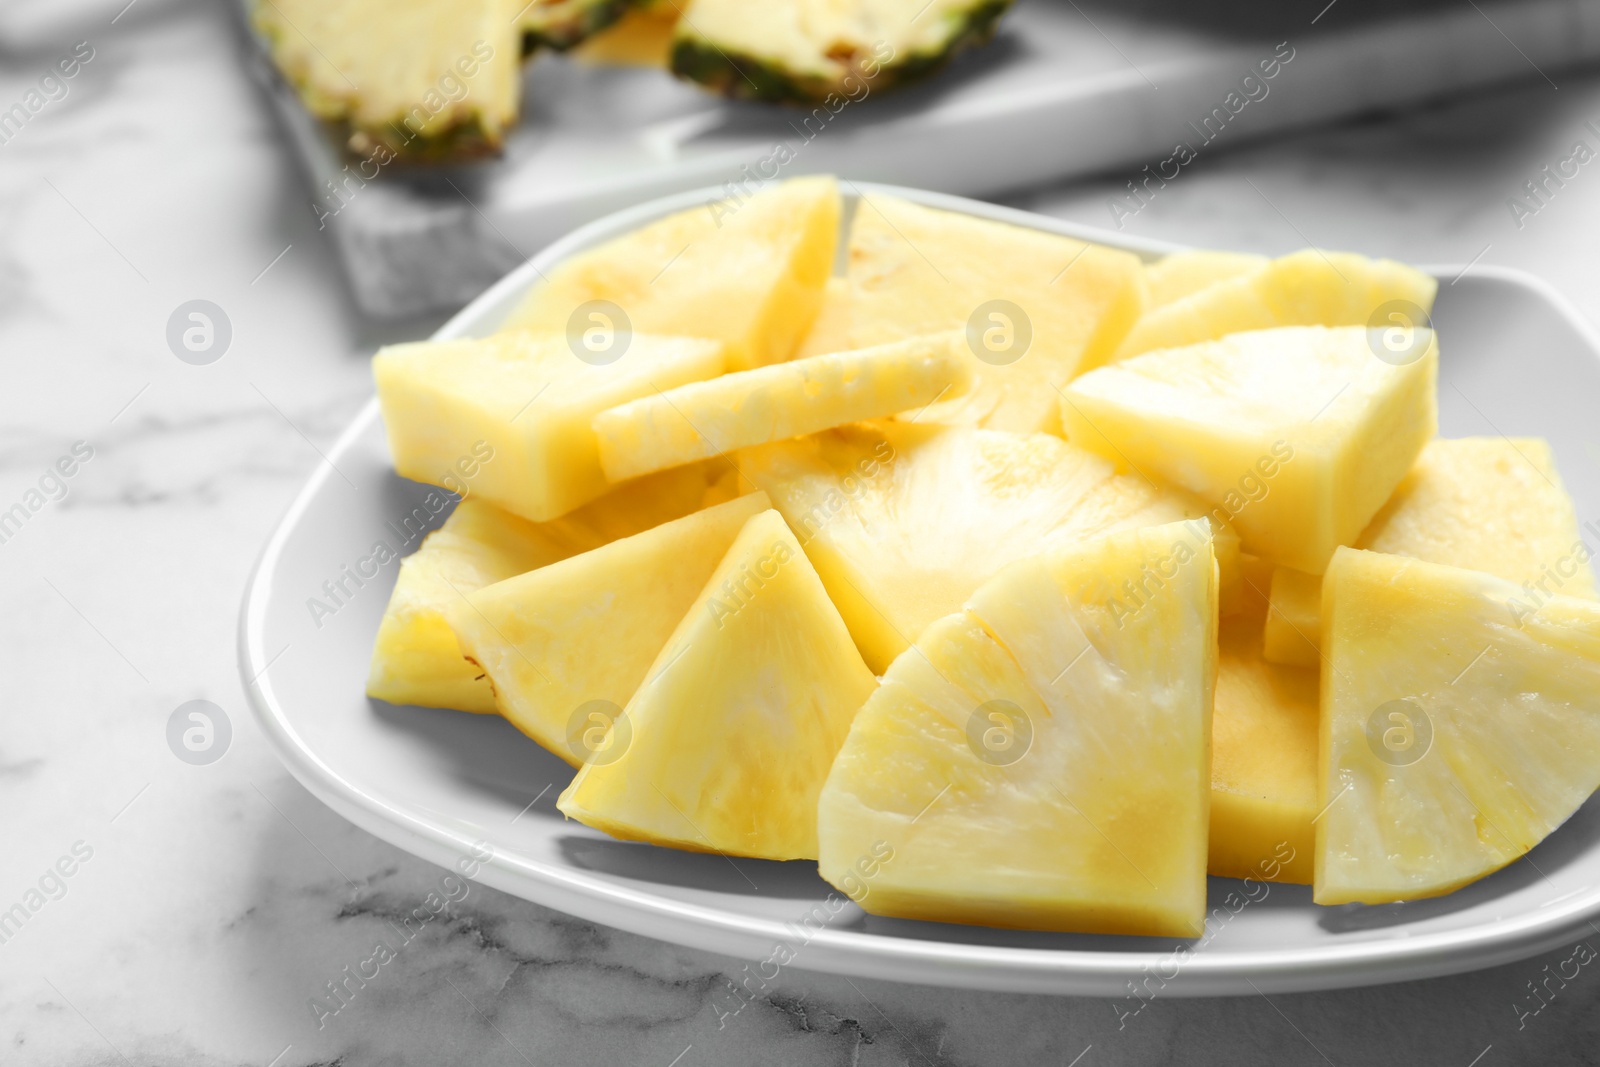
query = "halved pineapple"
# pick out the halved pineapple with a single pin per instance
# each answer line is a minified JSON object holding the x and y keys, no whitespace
{"x":1460,"y":725}
{"x":746,"y":272}
{"x":1492,"y":504}
{"x":530,"y":400}
{"x":417,"y":78}
{"x":903,"y":522}
{"x":1305,"y":288}
{"x":728,"y":740}
{"x":1182,"y":274}
{"x":416,"y":659}
{"x":824,"y":50}
{"x":587,"y":628}
{"x":1300,"y":433}
{"x":1036,"y":308}
{"x":1041,"y":759}
{"x":752,"y":407}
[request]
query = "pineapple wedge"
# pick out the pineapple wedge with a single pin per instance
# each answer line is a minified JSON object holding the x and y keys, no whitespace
{"x":704,"y":419}
{"x":1492,"y":504}
{"x":416,"y":659}
{"x":529,"y":399}
{"x":1182,"y":274}
{"x":903,"y":521}
{"x":1299,"y":433}
{"x":1037,"y":308}
{"x":746,"y":272}
{"x":1460,"y":725}
{"x":1305,"y":288}
{"x":1041,"y":759}
{"x":556,"y":640}
{"x":726,"y":744}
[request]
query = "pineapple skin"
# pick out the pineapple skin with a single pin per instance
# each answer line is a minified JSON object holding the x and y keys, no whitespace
{"x":563,"y":24}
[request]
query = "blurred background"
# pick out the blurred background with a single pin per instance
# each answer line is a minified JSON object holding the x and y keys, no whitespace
{"x":177,"y":163}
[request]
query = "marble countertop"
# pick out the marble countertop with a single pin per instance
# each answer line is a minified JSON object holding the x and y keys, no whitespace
{"x":206,"y":905}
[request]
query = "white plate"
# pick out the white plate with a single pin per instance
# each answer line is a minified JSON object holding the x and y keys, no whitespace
{"x":1517,"y":360}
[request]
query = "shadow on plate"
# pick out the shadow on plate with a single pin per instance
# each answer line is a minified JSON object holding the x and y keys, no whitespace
{"x":483,"y":752}
{"x":709,"y":871}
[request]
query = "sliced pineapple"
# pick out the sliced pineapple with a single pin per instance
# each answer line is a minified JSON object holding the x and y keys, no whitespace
{"x":1182,"y":274}
{"x":1041,"y":759}
{"x":747,"y":272}
{"x":585,"y":629}
{"x":1037,"y":308}
{"x":726,"y":744}
{"x":415,"y":78}
{"x":416,"y":659}
{"x":562,"y":24}
{"x":903,"y":521}
{"x":802,"y":396}
{"x":1299,"y":433}
{"x":528,"y":398}
{"x":1460,"y":725}
{"x":1305,"y":288}
{"x":824,"y":50}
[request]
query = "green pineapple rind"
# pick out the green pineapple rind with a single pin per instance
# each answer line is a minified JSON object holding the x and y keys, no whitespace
{"x":568,"y":23}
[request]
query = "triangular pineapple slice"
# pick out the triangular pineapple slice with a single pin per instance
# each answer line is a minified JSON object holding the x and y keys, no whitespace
{"x":1182,"y":274}
{"x":704,"y":419}
{"x":726,"y":743}
{"x":1492,"y":504}
{"x":554,"y":641}
{"x":1041,"y":759}
{"x":1305,"y":288}
{"x":1460,"y":725}
{"x":1036,"y":308}
{"x":416,"y":659}
{"x":1300,"y":434}
{"x":903,"y":522}
{"x":747,"y":272}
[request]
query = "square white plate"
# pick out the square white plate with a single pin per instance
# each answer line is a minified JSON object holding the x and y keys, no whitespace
{"x":443,"y":785}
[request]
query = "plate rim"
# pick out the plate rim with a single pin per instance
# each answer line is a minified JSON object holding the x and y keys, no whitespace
{"x":857,"y":953}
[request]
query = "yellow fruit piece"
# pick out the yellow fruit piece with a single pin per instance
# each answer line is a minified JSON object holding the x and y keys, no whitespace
{"x":1037,"y":308}
{"x":725,"y":745}
{"x":1297,"y":434}
{"x":1263,"y":753}
{"x":1305,"y":288}
{"x":746,"y":272}
{"x":791,"y":399}
{"x":1041,"y":759}
{"x":830,"y":330}
{"x":642,"y":37}
{"x":1460,"y":725}
{"x":522,"y":405}
{"x":904,"y":522}
{"x":1182,"y":274}
{"x":416,"y":659}
{"x":1492,"y":504}
{"x":574,"y":639}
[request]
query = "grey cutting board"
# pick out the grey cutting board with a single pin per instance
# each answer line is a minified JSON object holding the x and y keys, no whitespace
{"x":1066,"y":88}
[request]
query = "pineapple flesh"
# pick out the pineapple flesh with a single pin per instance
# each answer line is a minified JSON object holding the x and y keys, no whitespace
{"x":1299,"y":434}
{"x":1460,"y":725}
{"x":1041,"y":758}
{"x":1036,"y":308}
{"x":746,"y":272}
{"x":562,"y":24}
{"x":726,"y":743}
{"x":753,"y":407}
{"x":1182,"y":274}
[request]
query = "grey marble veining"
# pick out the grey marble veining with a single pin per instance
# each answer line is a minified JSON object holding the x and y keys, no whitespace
{"x":217,"y":902}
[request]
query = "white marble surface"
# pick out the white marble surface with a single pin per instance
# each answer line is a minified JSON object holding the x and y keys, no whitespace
{"x":216,"y":904}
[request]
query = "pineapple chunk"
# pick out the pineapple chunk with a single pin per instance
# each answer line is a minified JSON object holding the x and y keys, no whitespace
{"x":416,"y":659}
{"x":1305,"y":288}
{"x":586,"y":629}
{"x":791,"y":399}
{"x":903,"y":522}
{"x":726,"y":744}
{"x":1037,"y":308}
{"x":748,"y":273}
{"x":1299,"y":434}
{"x":1490,"y":504}
{"x":1460,"y":725}
{"x":528,"y":399}
{"x":1041,"y":758}
{"x":1263,"y":752}
{"x":1183,"y":274}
